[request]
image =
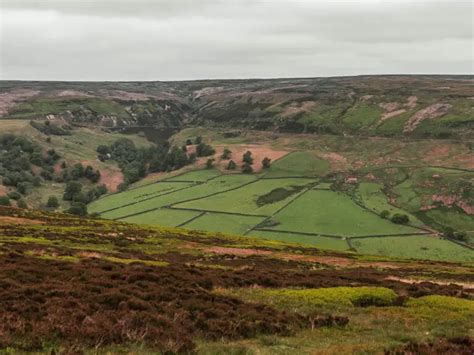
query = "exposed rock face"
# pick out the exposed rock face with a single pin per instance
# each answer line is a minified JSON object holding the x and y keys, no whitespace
{"x":430,"y":112}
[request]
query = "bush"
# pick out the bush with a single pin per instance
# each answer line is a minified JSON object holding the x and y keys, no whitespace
{"x":78,"y":208}
{"x":52,"y":202}
{"x":247,"y":168}
{"x":198,"y":140}
{"x":247,"y":157}
{"x":204,"y":150}
{"x":14,"y":195}
{"x":384,"y":214}
{"x":226,"y":154}
{"x":399,"y":218}
{"x":231,"y":165}
{"x":5,"y":201}
{"x":103,"y":150}
{"x":72,"y":188}
{"x":209,"y":163}
{"x":266,"y":162}
{"x":21,"y":203}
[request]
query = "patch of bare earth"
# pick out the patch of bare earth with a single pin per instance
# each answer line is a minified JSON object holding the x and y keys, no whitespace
{"x":430,"y":112}
{"x":19,"y":220}
{"x":10,"y":99}
{"x":467,"y":285}
{"x":259,"y":152}
{"x":111,"y":177}
{"x":72,"y":93}
{"x":236,"y":251}
{"x":336,"y":160}
{"x":337,"y":261}
{"x":295,"y":108}
{"x":451,"y":200}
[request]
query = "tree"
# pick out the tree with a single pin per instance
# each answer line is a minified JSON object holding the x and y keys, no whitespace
{"x":209,"y":163}
{"x":247,"y":157}
{"x":226,"y":154}
{"x":384,"y":214}
{"x":77,"y":171}
{"x":231,"y":165}
{"x":192,"y":158}
{"x":103,"y":149}
{"x":14,"y":195}
{"x":63,"y":165}
{"x":204,"y":150}
{"x":399,"y":218}
{"x":122,"y":187}
{"x":266,"y":162}
{"x":189,"y":142}
{"x":72,"y":188}
{"x":21,"y":203}
{"x":52,"y":202}
{"x":247,"y":168}
{"x":78,"y":208}
{"x":5,"y":201}
{"x":198,"y":140}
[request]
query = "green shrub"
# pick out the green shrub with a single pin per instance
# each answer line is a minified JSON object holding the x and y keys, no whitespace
{"x":399,"y":218}
{"x":307,"y":300}
{"x":5,"y":201}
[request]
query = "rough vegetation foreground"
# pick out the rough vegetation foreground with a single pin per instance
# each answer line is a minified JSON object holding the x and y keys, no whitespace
{"x":82,"y":285}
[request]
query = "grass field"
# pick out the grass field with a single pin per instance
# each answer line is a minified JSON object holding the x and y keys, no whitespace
{"x":333,"y":213}
{"x":244,"y":199}
{"x":196,"y":175}
{"x":298,"y":164}
{"x":423,"y":247}
{"x":163,"y":217}
{"x":217,"y":222}
{"x":289,"y":209}
{"x":134,"y":195}
{"x":213,"y":186}
{"x":307,"y":240}
{"x":371,"y":196}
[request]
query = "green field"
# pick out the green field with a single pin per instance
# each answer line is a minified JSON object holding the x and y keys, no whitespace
{"x":333,"y":213}
{"x":299,"y":210}
{"x":196,"y":175}
{"x":308,"y":240}
{"x":163,"y":217}
{"x":421,"y":247}
{"x":134,"y":195}
{"x":217,"y":222}
{"x":216,"y":185}
{"x":244,"y":199}
{"x":371,"y":196}
{"x":299,"y":164}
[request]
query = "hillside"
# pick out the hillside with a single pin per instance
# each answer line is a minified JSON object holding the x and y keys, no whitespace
{"x":71,"y":285}
{"x":389,"y":106}
{"x":354,"y":163}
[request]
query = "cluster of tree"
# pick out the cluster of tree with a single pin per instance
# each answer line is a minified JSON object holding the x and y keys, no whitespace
{"x":452,"y":234}
{"x":136,"y":163}
{"x":247,"y":161}
{"x":78,"y":198}
{"x":77,"y":171}
{"x":397,"y":218}
{"x":17,"y":156}
{"x":51,"y":129}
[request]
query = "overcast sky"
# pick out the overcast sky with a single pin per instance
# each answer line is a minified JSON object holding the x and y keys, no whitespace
{"x":193,"y":39}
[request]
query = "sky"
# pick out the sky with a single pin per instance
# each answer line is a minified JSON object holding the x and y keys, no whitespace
{"x":207,"y":39}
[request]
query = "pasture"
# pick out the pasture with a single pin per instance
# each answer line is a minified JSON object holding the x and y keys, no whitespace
{"x":292,"y":209}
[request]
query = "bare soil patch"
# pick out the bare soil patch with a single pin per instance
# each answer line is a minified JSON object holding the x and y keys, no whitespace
{"x":430,"y":112}
{"x":19,"y":220}
{"x":259,"y":152}
{"x":10,"y":99}
{"x":236,"y":251}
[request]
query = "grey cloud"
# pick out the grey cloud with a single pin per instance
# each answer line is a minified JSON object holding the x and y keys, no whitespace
{"x":181,"y":39}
